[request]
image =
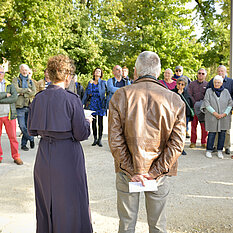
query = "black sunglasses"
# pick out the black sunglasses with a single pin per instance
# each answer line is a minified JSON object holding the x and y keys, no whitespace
{"x":201,"y":73}
{"x":178,"y":70}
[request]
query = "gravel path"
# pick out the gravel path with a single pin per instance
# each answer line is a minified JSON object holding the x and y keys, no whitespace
{"x":201,"y":196}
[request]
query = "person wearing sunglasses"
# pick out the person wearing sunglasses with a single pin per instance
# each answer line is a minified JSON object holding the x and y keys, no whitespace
{"x":8,"y":97}
{"x":196,"y":90}
{"x":179,"y":73}
{"x":228,"y":84}
{"x":180,"y":90}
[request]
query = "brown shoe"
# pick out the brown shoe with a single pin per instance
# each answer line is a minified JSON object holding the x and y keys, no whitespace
{"x":18,"y":161}
{"x":192,"y":145}
{"x":203,"y":146}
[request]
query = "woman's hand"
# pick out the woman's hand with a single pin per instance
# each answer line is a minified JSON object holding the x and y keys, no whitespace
{"x":216,"y":115}
{"x":222,"y":115}
{"x":91,"y":81}
{"x":180,"y":91}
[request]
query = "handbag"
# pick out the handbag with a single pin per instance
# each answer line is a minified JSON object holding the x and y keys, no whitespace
{"x":191,"y":109}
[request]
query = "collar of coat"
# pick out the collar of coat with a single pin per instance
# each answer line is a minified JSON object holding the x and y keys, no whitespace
{"x":149,"y":78}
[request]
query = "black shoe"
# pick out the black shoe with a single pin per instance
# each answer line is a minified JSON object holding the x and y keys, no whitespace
{"x":227,"y":151}
{"x":95,"y":142}
{"x":99,"y":143}
{"x":32,"y":144}
{"x":184,"y":153}
{"x":24,"y":148}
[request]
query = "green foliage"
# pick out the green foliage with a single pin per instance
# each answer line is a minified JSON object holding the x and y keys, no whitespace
{"x":216,"y":31}
{"x":98,"y":33}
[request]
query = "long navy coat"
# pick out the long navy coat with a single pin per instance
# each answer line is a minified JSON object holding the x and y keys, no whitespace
{"x":61,"y":192}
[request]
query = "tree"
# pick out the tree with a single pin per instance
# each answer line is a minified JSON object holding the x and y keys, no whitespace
{"x":32,"y":30}
{"x":216,"y":31}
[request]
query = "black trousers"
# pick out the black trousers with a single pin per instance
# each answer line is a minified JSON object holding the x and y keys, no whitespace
{"x":100,"y":126}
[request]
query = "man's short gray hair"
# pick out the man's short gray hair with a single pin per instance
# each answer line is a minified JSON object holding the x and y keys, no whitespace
{"x":148,"y":63}
{"x":202,"y":69}
{"x":24,"y":65}
{"x":222,"y":66}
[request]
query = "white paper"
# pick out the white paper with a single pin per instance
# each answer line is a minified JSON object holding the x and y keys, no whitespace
{"x":88,"y":113}
{"x":150,"y":185}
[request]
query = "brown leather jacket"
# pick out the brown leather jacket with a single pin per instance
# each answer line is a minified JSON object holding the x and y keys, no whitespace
{"x":146,"y":128}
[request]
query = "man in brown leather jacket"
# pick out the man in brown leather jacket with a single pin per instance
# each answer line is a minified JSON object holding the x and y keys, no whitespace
{"x":146,"y":136}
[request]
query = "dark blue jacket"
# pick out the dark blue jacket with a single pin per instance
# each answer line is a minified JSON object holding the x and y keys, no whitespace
{"x":227,"y":83}
{"x":102,"y":86}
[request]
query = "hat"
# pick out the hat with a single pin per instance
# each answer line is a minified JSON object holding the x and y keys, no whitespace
{"x":179,"y":68}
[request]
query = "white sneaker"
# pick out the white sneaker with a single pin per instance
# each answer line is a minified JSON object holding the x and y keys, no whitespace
{"x":220,"y":155}
{"x":208,"y":154}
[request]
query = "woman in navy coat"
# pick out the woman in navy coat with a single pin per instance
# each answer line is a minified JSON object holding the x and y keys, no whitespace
{"x":95,"y":93}
{"x":59,"y":174}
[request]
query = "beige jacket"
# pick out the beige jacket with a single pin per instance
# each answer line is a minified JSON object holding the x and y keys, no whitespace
{"x":146,"y":128}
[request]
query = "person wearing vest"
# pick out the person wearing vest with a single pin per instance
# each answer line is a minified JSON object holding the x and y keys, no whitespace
{"x":8,"y":97}
{"x":113,"y":84}
{"x":26,"y":90}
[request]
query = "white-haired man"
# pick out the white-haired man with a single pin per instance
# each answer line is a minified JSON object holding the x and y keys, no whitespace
{"x":26,"y":90}
{"x":146,"y":136}
{"x":228,"y":84}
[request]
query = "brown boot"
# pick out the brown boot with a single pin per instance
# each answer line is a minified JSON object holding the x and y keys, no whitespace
{"x":18,"y":161}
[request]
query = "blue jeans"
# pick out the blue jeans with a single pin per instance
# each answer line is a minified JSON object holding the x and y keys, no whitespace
{"x":22,"y":116}
{"x":221,"y":140}
{"x":187,"y":123}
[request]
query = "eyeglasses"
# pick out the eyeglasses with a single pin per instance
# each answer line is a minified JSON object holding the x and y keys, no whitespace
{"x":181,"y":84}
{"x":178,"y":70}
{"x":201,"y":73}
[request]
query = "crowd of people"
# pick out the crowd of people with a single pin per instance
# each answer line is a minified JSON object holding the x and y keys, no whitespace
{"x":148,"y":122}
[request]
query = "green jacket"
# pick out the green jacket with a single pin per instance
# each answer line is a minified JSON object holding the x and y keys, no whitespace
{"x":25,"y":95}
{"x":9,"y":100}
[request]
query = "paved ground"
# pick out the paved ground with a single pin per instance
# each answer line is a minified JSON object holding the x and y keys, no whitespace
{"x":201,"y":197}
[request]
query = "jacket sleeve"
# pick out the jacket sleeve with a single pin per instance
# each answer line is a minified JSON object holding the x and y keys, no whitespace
{"x":190,"y":92}
{"x":3,"y":95}
{"x":31,"y":90}
{"x":174,"y":146}
{"x":116,"y":139}
{"x":80,"y":126}
{"x":11,"y":99}
{"x":110,"y":86}
{"x":19,"y":89}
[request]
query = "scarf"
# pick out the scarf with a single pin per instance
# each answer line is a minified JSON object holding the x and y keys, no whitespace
{"x":175,"y":77}
{"x":24,"y":80}
{"x":218,"y":90}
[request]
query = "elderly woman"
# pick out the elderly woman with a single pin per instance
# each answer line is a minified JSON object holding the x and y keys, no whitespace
{"x":59,"y":174}
{"x":180,"y":90}
{"x":168,"y":81}
{"x":95,"y":92}
{"x":217,"y":105}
